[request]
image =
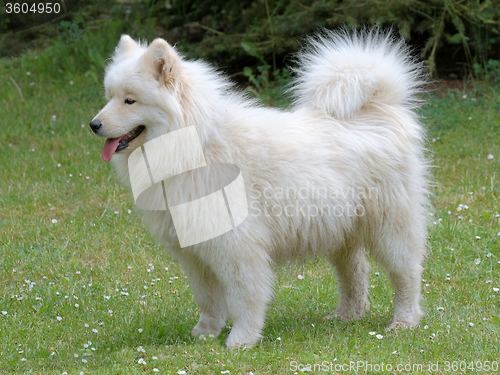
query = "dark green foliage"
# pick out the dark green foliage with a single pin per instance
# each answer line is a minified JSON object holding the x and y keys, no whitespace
{"x":458,"y":36}
{"x":466,"y":29}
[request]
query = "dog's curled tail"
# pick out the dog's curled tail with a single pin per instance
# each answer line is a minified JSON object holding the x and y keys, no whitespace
{"x":341,"y":73}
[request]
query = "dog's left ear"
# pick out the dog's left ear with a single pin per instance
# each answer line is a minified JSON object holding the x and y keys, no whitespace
{"x":164,"y":63}
{"x":124,"y":47}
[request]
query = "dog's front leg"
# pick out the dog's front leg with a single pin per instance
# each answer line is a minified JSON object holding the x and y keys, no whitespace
{"x":208,"y":293}
{"x":247,"y":279}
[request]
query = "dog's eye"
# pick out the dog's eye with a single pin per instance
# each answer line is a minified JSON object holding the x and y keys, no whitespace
{"x":129,"y":101}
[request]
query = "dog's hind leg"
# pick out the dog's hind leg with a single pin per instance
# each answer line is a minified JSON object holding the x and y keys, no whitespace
{"x":352,"y":270}
{"x":208,"y":294}
{"x":401,"y":254}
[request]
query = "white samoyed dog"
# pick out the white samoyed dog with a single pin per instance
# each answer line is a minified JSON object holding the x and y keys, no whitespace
{"x":340,"y":174}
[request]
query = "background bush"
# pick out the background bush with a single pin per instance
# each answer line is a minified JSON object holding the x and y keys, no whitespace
{"x":454,"y":36}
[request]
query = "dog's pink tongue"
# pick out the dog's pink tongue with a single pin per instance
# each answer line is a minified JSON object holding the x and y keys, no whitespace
{"x":109,"y":148}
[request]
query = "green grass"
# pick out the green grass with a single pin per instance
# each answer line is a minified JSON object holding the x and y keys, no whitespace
{"x":97,"y":248}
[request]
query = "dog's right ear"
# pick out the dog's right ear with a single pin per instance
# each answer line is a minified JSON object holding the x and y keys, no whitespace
{"x":125,"y":45}
{"x":164,"y":63}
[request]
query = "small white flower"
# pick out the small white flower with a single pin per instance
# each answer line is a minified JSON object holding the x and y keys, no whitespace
{"x":32,"y":83}
{"x":372,"y":333}
{"x":379,"y":336}
{"x":426,"y":327}
{"x":470,"y":118}
{"x":28,"y":73}
{"x":129,"y":211}
{"x":53,"y":118}
{"x":107,"y":297}
{"x":394,"y":352}
{"x":477,"y":260}
{"x":23,"y":359}
{"x":478,"y":237}
{"x":464,"y":96}
{"x":155,"y":370}
{"x":116,"y":212}
{"x":225,"y":372}
{"x":142,"y":361}
{"x":71,"y":83}
{"x":54,"y":221}
{"x":84,"y":360}
{"x":94,"y":330}
{"x":75,"y":355}
{"x":59,"y":318}
{"x":77,"y":305}
{"x":300,"y":277}
{"x":154,"y":357}
{"x":4,"y":312}
{"x":440,"y":308}
{"x":496,"y":289}
{"x":490,"y":157}
{"x":279,"y":339}
{"x":140,"y":330}
{"x":471,"y":324}
{"x":489,"y":255}
{"x":181,"y":372}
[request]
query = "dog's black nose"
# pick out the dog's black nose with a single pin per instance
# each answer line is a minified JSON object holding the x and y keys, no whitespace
{"x":95,"y":125}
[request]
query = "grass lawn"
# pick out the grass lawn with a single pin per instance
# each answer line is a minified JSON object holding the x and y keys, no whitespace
{"x":85,"y":289}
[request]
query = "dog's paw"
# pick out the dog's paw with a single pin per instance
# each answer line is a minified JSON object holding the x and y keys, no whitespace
{"x":206,"y":327}
{"x":350,"y":312}
{"x":197,"y":331}
{"x":393,"y":326}
{"x":234,"y":342}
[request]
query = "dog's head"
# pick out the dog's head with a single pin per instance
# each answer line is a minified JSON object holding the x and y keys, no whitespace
{"x":144,"y":88}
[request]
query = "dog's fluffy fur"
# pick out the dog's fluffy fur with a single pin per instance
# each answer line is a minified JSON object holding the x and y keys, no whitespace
{"x":351,"y":131}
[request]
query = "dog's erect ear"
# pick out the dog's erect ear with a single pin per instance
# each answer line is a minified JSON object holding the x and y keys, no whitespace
{"x":126,"y":44}
{"x":163,"y":62}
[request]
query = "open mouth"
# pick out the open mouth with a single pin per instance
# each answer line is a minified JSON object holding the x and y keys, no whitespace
{"x":125,"y":139}
{"x":113,"y":145}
